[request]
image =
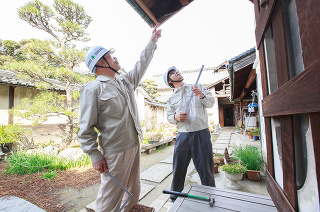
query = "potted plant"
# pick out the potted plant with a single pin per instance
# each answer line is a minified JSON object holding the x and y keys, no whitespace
{"x":251,"y":157}
{"x":175,"y":133}
{"x":250,"y":133}
{"x":154,"y":137}
{"x":234,"y":172}
{"x":216,"y":161}
{"x":256,"y":133}
{"x":220,"y":158}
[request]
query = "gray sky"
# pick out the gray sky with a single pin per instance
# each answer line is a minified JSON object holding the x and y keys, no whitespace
{"x":206,"y":32}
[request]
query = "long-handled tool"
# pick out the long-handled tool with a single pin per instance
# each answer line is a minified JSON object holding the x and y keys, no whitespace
{"x":210,"y":199}
{"x":123,"y":188}
{"x":188,"y":104}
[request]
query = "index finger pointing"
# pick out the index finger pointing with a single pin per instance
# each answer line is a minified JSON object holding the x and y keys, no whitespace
{"x":156,"y":27}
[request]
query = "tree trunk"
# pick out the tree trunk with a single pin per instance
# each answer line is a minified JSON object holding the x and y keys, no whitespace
{"x":69,"y":127}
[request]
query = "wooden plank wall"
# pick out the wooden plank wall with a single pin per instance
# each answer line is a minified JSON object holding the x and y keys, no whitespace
{"x":278,"y":198}
{"x":310,"y":43}
{"x":315,"y":128}
{"x":286,"y":122}
{"x":301,"y":95}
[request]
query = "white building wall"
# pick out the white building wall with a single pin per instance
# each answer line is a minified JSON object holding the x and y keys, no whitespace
{"x":161,"y":115}
{"x":256,"y":66}
{"x":140,"y":104}
{"x":308,"y":195}
{"x":213,"y":112}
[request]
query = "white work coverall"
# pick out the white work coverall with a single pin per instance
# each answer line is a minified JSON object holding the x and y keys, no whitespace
{"x":109,"y":105}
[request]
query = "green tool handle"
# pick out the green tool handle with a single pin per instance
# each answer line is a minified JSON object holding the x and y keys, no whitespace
{"x":186,"y":195}
{"x":198,"y":197}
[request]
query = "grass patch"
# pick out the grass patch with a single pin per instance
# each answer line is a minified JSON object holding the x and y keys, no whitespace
{"x":50,"y":175}
{"x":26,"y":163}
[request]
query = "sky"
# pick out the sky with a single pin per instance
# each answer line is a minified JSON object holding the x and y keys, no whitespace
{"x":206,"y":32}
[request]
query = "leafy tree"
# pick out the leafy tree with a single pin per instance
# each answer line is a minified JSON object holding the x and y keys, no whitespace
{"x":40,"y":61}
{"x":152,"y":87}
{"x":10,"y":47}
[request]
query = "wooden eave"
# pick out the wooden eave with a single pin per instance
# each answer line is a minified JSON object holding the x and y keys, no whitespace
{"x":142,"y":7}
{"x":242,"y":76}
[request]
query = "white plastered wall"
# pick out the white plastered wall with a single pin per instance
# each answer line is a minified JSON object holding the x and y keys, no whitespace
{"x":308,"y":195}
{"x":256,"y":66}
{"x":213,"y":112}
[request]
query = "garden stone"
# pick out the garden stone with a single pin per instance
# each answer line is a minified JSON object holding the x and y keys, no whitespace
{"x":50,"y":150}
{"x":2,"y":155}
{"x":72,"y":153}
{"x":145,"y":189}
{"x":16,"y":204}
{"x":157,"y":173}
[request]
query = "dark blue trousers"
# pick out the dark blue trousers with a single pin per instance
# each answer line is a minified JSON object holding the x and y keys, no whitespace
{"x":196,"y":145}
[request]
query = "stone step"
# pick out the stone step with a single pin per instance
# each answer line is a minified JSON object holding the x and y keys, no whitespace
{"x":16,"y":204}
{"x":157,"y":173}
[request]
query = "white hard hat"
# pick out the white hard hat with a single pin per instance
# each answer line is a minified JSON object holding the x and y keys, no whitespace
{"x":93,"y":55}
{"x":166,"y":76}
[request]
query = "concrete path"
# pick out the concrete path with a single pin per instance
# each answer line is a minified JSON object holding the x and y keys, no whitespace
{"x":159,"y":176}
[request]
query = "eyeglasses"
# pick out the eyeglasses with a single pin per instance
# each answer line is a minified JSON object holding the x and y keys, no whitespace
{"x":109,"y":54}
{"x":173,"y":72}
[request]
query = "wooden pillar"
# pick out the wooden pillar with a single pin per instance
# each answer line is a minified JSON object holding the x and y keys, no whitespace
{"x":11,"y":103}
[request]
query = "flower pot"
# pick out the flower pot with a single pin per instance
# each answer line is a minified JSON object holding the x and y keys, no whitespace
{"x":6,"y":147}
{"x":233,"y":183}
{"x":253,"y":175}
{"x":216,"y":169}
{"x":250,"y":136}
{"x":255,"y":138}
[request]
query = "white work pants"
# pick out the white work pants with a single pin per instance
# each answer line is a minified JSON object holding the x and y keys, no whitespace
{"x":125,"y":167}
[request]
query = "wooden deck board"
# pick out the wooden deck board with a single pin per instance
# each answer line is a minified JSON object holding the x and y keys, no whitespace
{"x":243,"y":196}
{"x":225,"y":200}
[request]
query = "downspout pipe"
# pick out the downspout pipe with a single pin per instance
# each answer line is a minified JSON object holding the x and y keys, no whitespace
{"x":231,"y":77}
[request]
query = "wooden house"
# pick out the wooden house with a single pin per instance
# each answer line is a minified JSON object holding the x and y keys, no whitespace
{"x":288,"y":83}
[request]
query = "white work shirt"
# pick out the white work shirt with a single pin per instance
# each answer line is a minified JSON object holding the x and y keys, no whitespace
{"x":197,"y":115}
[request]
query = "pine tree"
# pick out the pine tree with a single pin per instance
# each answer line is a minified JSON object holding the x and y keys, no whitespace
{"x":40,"y":61}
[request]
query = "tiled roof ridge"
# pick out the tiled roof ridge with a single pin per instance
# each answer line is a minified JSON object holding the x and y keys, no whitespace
{"x":10,"y":77}
{"x":242,"y":55}
{"x":197,"y":70}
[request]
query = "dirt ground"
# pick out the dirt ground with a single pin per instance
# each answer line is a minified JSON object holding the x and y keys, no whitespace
{"x":71,"y":190}
{"x":45,"y":193}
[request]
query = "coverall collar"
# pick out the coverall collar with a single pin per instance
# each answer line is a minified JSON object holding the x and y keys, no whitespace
{"x":104,"y":78}
{"x":178,"y":89}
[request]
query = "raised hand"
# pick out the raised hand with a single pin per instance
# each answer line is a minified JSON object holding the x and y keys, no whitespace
{"x":197,"y":91}
{"x":156,"y":33}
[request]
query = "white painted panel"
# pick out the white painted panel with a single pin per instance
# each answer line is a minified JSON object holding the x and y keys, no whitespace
{"x":278,"y":171}
{"x":308,"y":195}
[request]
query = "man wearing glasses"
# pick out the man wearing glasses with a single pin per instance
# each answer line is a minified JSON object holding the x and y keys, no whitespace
{"x":108,"y":105}
{"x":193,"y":140}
